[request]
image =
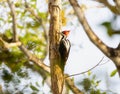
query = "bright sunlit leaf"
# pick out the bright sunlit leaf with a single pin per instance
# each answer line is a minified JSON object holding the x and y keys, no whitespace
{"x":113,"y":73}
{"x":64,"y":19}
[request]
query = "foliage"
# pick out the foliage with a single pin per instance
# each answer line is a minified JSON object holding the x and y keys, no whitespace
{"x":12,"y":81}
{"x":14,"y":63}
{"x":111,"y":26}
{"x":90,"y":84}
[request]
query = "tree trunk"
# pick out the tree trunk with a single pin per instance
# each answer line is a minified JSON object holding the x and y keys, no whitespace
{"x":57,"y":77}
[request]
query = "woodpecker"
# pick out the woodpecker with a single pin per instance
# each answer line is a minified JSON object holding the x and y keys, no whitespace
{"x":64,"y":47}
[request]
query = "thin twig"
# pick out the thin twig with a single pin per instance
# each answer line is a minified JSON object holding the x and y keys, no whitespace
{"x":104,"y":63}
{"x":87,"y":70}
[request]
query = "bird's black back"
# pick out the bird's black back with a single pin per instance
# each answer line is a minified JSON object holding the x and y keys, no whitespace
{"x":64,"y":49}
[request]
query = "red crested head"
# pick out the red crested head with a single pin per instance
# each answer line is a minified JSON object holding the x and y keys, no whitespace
{"x":66,"y":32}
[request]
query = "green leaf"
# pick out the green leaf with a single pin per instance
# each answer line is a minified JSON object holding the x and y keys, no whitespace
{"x":108,"y":27}
{"x":89,"y":73}
{"x":42,"y":15}
{"x":8,"y":33}
{"x":7,"y":76}
{"x":22,"y":73}
{"x":86,"y":84}
{"x":17,"y":4}
{"x":34,"y":88}
{"x":1,"y":19}
{"x":34,"y":0}
{"x":113,"y":73}
{"x":97,"y":82}
{"x":95,"y":91}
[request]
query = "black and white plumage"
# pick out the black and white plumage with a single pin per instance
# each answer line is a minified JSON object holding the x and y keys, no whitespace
{"x":64,"y":47}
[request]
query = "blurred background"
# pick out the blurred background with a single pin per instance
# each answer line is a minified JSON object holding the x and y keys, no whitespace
{"x":18,"y":75}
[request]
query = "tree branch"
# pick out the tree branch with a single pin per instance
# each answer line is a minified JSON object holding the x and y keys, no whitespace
{"x":34,"y":59}
{"x":6,"y":45}
{"x":117,"y":2}
{"x":112,"y":8}
{"x":30,"y":56}
{"x":71,"y":85}
{"x":13,"y":14}
{"x":92,"y":36}
{"x":112,"y":53}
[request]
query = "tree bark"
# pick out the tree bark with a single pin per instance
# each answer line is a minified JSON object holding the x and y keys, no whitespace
{"x":57,"y":77}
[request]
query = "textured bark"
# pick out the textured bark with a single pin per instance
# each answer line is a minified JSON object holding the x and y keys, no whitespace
{"x":117,"y":2}
{"x":57,"y":77}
